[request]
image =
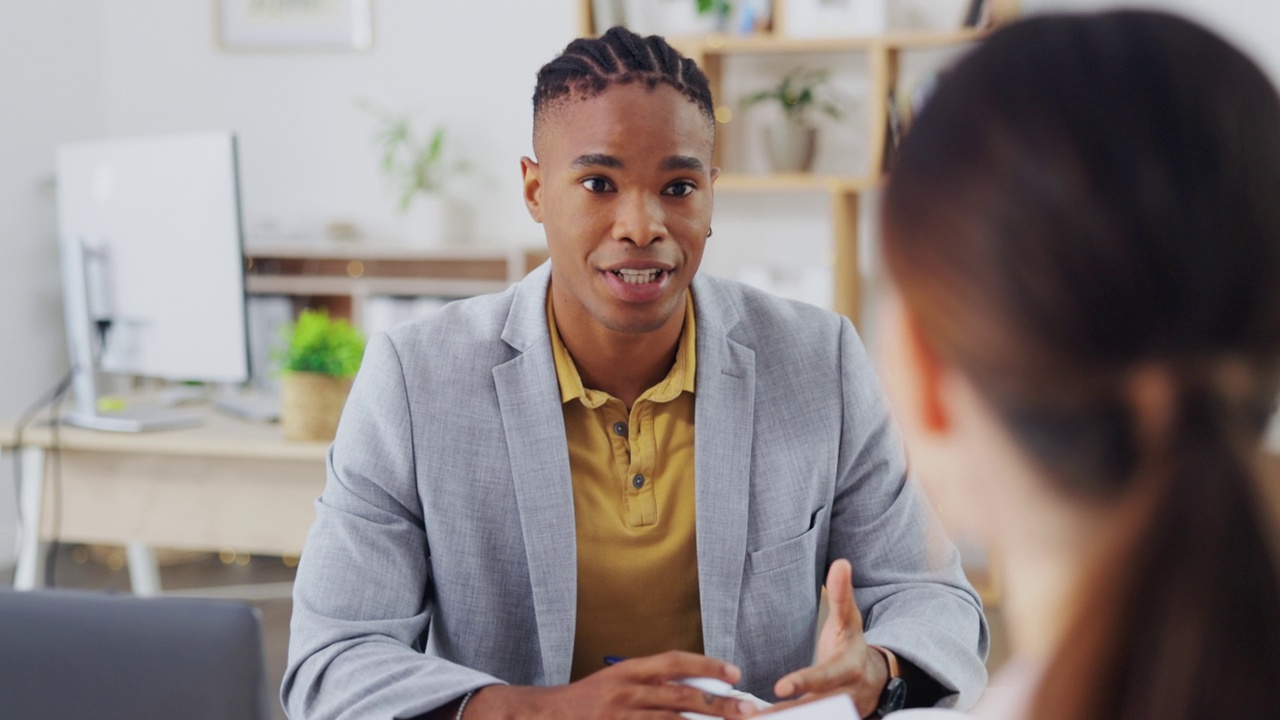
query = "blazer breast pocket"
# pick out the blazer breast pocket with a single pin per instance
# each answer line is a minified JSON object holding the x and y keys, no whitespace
{"x":790,"y":552}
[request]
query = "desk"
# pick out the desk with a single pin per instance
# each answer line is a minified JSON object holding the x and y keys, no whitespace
{"x":225,"y":484}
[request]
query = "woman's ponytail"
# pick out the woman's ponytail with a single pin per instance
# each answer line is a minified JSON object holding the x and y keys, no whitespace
{"x":1181,"y":618}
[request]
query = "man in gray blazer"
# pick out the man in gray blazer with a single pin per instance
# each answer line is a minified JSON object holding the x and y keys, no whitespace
{"x":466,"y":522}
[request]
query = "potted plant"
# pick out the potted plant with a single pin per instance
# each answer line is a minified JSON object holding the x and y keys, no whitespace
{"x":800,"y":94}
{"x":415,"y":168}
{"x":676,"y":17}
{"x":714,"y":12}
{"x":318,"y":365}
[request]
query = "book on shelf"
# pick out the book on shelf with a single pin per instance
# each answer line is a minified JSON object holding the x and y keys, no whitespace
{"x":986,"y":14}
{"x":267,"y":316}
{"x":383,"y":312}
{"x":977,"y":14}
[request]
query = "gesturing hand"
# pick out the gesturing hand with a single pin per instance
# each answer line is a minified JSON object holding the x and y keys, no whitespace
{"x":845,"y":662}
{"x":639,"y":688}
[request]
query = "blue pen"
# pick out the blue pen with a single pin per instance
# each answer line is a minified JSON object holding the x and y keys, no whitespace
{"x":612,"y":660}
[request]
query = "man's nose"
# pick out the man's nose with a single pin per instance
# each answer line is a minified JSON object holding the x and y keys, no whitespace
{"x":639,"y":220}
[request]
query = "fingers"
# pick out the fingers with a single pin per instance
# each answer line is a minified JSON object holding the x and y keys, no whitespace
{"x":840,"y":672}
{"x":676,"y":665}
{"x":788,"y":704}
{"x":681,"y":698}
{"x":652,"y":683}
{"x":840,"y":595}
{"x":841,"y":647}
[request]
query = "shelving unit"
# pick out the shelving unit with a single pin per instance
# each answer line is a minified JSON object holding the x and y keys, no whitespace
{"x":341,"y":277}
{"x":884,"y":56}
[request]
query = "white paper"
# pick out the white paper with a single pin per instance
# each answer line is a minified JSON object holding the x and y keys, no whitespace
{"x":735,"y":694}
{"x":838,"y":707}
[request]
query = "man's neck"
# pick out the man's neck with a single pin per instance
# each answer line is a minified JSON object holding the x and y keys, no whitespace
{"x":624,"y":365}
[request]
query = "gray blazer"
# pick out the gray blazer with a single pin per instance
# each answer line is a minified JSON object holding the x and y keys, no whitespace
{"x":443,"y":554}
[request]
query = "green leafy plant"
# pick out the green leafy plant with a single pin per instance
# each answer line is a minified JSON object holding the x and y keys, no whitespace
{"x":410,"y":162}
{"x":801,"y":93}
{"x":323,"y":345}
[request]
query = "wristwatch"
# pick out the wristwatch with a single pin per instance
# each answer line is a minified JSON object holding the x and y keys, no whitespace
{"x":894,"y":695}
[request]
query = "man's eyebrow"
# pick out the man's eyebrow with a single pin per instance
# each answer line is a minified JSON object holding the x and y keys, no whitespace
{"x":597,"y":160}
{"x":683,"y":162}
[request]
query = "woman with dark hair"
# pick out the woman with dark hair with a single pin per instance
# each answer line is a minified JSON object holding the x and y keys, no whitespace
{"x":1083,"y":231}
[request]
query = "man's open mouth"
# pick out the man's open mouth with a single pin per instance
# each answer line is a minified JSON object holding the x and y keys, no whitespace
{"x":639,"y":277}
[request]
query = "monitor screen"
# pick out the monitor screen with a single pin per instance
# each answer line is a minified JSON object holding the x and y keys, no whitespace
{"x":156,"y":223}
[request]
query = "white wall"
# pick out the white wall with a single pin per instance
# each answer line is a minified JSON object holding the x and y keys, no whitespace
{"x":50,"y":92}
{"x":306,"y":157}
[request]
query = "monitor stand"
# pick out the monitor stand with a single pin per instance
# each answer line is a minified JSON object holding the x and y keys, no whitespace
{"x":132,"y":420}
{"x":84,"y":365}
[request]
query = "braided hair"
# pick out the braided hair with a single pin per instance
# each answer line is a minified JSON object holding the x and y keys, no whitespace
{"x":589,"y":66}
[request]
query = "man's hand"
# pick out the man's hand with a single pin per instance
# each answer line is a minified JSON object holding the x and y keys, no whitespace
{"x":639,"y":688}
{"x":846,"y":664}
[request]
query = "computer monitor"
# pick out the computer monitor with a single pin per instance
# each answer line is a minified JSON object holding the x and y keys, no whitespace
{"x":152,"y":268}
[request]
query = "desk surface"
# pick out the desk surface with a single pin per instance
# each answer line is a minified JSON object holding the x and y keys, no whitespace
{"x":228,"y":483}
{"x":221,"y":436}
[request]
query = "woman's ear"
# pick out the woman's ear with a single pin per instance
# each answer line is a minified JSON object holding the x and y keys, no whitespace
{"x":931,"y":373}
{"x":916,"y":372}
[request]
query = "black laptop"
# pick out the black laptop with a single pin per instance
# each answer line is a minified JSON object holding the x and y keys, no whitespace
{"x":91,"y":656}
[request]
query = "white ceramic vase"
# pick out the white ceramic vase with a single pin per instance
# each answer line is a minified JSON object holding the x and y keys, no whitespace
{"x":790,"y":146}
{"x":427,"y":220}
{"x":672,"y":18}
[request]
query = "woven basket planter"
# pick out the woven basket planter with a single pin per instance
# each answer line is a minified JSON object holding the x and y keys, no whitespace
{"x":310,"y":405}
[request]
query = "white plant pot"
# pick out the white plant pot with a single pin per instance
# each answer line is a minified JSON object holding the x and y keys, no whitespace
{"x":427,"y":222}
{"x":790,"y":146}
{"x":837,"y":18}
{"x":670,"y":18}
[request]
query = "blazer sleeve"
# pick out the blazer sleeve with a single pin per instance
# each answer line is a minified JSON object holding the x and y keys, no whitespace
{"x":361,"y":601}
{"x":913,"y":594}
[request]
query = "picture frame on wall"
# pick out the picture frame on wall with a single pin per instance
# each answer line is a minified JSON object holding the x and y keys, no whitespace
{"x":294,"y":25}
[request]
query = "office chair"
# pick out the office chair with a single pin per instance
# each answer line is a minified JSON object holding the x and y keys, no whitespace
{"x":91,"y":656}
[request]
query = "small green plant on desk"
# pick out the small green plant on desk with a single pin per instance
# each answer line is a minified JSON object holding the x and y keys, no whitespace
{"x":318,"y":364}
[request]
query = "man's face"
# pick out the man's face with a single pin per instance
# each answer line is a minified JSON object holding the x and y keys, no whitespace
{"x":622,"y":185}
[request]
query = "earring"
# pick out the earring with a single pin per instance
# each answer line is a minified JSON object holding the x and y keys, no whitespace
{"x":709,"y":231}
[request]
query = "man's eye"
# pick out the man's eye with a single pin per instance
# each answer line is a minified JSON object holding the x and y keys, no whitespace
{"x":597,"y":185}
{"x":679,"y":189}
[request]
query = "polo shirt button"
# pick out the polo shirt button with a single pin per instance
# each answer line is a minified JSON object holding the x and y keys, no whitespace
{"x":620,"y":428}
{"x":637,"y":482}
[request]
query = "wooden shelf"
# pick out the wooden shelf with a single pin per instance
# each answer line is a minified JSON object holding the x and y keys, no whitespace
{"x":766,"y":44}
{"x":322,"y":286}
{"x":386,"y":251}
{"x":792,"y":182}
{"x":342,"y":277}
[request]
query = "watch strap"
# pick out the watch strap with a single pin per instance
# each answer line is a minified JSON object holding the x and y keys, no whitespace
{"x":890,"y":659}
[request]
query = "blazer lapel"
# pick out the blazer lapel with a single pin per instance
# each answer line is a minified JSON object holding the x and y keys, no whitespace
{"x":723,"y":427}
{"x":529,"y":397}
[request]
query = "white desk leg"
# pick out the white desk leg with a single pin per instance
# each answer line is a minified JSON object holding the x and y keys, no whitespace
{"x":144,"y":571}
{"x":29,"y":573}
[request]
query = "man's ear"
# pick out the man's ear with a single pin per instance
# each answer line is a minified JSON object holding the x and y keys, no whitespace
{"x":929,"y":374}
{"x":532,"y":175}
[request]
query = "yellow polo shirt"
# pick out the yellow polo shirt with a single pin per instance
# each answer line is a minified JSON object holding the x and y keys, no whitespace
{"x":633,"y":501}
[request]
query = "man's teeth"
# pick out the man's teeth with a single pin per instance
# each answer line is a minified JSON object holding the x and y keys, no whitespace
{"x":637,"y":277}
